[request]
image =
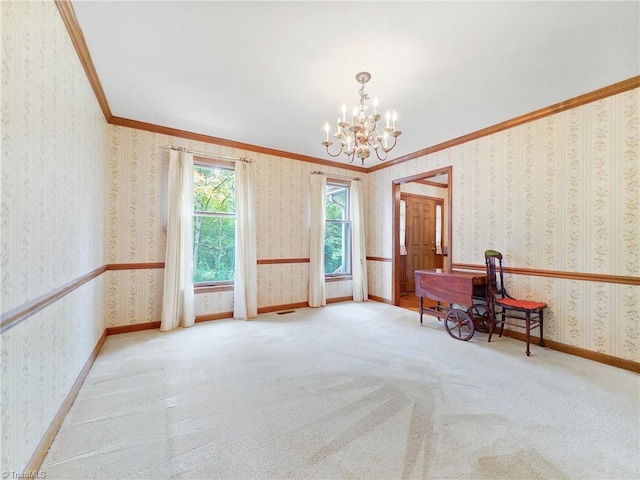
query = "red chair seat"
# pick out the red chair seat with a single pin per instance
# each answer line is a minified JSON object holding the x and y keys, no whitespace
{"x":529,"y":312}
{"x":523,"y":304}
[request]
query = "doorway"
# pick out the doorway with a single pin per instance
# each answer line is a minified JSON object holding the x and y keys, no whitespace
{"x":422,"y":246}
{"x":416,"y":243}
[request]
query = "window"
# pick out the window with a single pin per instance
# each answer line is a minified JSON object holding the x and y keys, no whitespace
{"x":403,"y":227}
{"x":214,"y":223}
{"x":337,"y":238}
{"x":438,"y":229}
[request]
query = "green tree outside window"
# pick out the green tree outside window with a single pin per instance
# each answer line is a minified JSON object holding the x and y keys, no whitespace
{"x":214,"y":224}
{"x":337,"y":238}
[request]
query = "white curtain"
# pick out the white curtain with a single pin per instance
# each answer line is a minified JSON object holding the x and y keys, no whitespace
{"x":358,"y":244}
{"x":245,"y":290}
{"x":317,"y":291}
{"x":177,"y":299}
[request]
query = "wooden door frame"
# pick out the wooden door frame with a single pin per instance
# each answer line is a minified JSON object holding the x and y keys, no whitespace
{"x":437,"y":201}
{"x":395,"y":222}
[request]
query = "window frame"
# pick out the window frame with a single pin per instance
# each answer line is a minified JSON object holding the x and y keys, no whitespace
{"x":334,"y":277}
{"x":221,"y":285}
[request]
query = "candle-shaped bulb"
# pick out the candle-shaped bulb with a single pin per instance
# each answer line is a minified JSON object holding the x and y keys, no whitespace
{"x":388,"y":117}
{"x":344,"y":112}
{"x":394,"y":117}
{"x":338,"y":123}
{"x":348,"y":143}
{"x":375,"y":104}
{"x":326,"y":130}
{"x":385,"y":136}
{"x":355,"y":114}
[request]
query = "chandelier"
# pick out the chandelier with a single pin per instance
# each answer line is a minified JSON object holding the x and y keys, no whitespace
{"x":359,"y":136}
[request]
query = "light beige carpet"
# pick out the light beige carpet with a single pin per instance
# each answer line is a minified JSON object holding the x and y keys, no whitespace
{"x":353,"y":391}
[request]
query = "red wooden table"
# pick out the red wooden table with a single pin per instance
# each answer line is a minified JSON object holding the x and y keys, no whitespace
{"x":460,"y":300}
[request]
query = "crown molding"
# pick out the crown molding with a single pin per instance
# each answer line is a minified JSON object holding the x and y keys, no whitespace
{"x":77,"y":39}
{"x":578,"y":101}
{"x":199,"y":137}
{"x":65,"y":8}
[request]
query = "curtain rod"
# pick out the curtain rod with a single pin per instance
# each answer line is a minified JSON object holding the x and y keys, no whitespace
{"x":218,"y":156}
{"x":334,"y":175}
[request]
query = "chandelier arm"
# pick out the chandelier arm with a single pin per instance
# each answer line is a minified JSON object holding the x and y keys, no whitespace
{"x":328,"y":144}
{"x":351,"y":156}
{"x":382,"y":159}
{"x":395,"y":140}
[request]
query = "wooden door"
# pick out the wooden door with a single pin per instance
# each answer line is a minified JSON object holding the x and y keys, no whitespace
{"x":420,"y":236}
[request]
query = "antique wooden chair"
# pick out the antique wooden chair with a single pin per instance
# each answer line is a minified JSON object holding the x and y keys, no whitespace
{"x":506,"y":310}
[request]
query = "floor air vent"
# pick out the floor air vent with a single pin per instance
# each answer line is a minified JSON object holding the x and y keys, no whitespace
{"x":286,"y":311}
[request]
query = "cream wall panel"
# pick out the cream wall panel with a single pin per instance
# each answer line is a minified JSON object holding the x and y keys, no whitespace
{"x":560,"y":194}
{"x":53,"y":141}
{"x":378,"y":219}
{"x":379,"y":279}
{"x":136,"y":216}
{"x":213,"y":302}
{"x":133,"y":296}
{"x":41,"y":359}
{"x":580,"y":300}
{"x":282,"y":207}
{"x":53,"y":220}
{"x":136,"y":198}
{"x":271,"y":278}
{"x":339,"y":289}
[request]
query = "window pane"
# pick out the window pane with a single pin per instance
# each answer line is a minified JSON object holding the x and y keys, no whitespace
{"x":337,"y":243}
{"x":337,"y":207}
{"x":213,"y":190}
{"x":438,"y":224}
{"x":214,"y":248}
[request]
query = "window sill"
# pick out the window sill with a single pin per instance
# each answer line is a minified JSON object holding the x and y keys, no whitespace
{"x":209,"y":288}
{"x":338,"y":278}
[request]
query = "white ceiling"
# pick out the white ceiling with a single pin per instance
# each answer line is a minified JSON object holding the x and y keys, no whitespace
{"x":272,"y":73}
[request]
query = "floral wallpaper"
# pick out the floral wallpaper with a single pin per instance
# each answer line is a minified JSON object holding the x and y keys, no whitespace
{"x":132,"y":296}
{"x":295,"y":276}
{"x":560,"y":194}
{"x":136,"y":216}
{"x":52,"y":211}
